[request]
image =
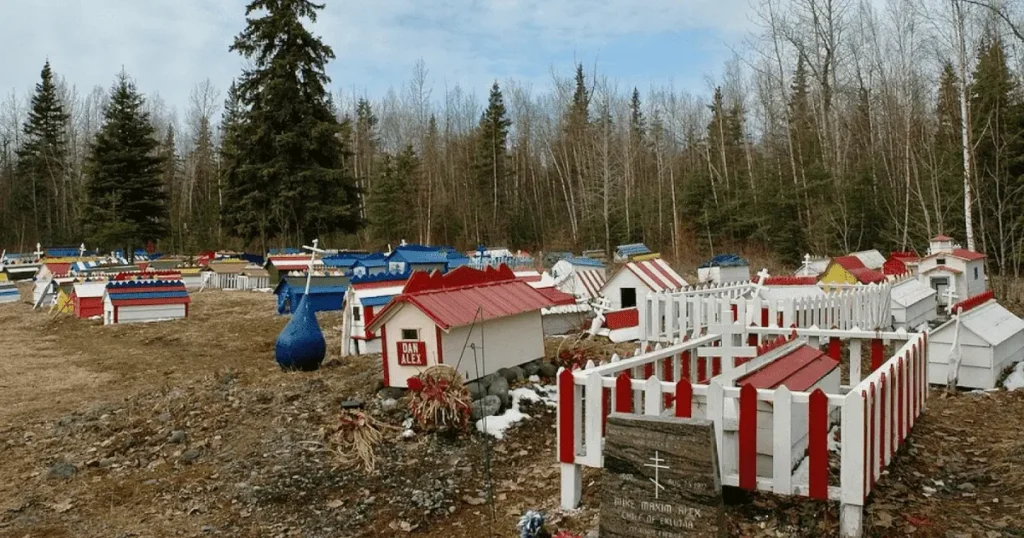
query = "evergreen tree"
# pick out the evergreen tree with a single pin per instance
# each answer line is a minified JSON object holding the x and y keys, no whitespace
{"x":998,"y":122}
{"x":42,"y":161}
{"x":947,"y":147}
{"x":289,"y":165}
{"x":492,"y":164}
{"x":637,"y":124}
{"x":393,"y":190}
{"x":127,"y":204}
{"x":170,"y":177}
{"x":203,"y":197}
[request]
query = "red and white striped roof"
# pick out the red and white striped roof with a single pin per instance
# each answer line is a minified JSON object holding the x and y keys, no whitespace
{"x":657,"y":275}
{"x":592,"y":281}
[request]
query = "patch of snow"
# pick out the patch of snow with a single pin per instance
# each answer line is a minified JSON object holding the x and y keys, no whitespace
{"x":499,"y":424}
{"x":1015,"y":380}
{"x":263,"y":290}
{"x":802,"y":474}
{"x":534,"y":378}
{"x":834,"y":445}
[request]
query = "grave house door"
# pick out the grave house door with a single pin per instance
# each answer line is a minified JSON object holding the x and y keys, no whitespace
{"x":627,"y":297}
{"x":939,"y":284}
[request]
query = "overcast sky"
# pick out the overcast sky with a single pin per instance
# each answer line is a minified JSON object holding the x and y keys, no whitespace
{"x":169,"y":45}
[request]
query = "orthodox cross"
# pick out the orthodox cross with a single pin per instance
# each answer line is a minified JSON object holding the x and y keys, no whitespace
{"x":950,"y":295}
{"x":312,"y":257}
{"x":39,"y":251}
{"x":657,"y":466}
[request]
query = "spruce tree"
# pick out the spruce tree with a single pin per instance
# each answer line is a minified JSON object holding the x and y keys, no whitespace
{"x":170,"y":177}
{"x":42,"y":161}
{"x":392,"y":192}
{"x":288,"y":177}
{"x":127,"y":204}
{"x":492,"y":163}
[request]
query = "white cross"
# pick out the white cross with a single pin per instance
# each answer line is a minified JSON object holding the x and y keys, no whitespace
{"x":81,"y":251}
{"x":950,"y":295}
{"x":657,"y":466}
{"x":312,"y":257}
{"x":762,"y":277}
{"x":39,"y":251}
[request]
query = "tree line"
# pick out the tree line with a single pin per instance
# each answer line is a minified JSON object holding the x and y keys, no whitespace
{"x":839,"y":125}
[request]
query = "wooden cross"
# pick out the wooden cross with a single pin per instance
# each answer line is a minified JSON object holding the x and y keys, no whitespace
{"x":81,"y":251}
{"x":762,"y":277}
{"x":39,"y":251}
{"x":312,"y":257}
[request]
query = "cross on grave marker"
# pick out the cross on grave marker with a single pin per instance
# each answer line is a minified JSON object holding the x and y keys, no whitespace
{"x":312,"y":257}
{"x":81,"y":251}
{"x":39,"y":252}
{"x":687,"y":493}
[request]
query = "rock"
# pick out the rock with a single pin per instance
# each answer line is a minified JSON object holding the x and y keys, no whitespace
{"x":392,"y":392}
{"x":513,"y":374}
{"x":489,"y":379}
{"x":500,"y":389}
{"x":352,"y":404}
{"x":177,"y":437}
{"x":531,"y":368}
{"x":389,"y":404}
{"x":191,"y":455}
{"x":534,"y":378}
{"x":164,"y":417}
{"x":62,"y":470}
{"x":477,"y":390}
{"x":485,"y":407}
{"x":107,"y":462}
{"x":548,"y":369}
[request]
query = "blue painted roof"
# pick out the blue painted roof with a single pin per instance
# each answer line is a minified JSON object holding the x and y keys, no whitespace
{"x":418,"y":254}
{"x":725,"y":260}
{"x":287,"y":250}
{"x":632,"y":249}
{"x":345,"y":259}
{"x":380,"y":300}
{"x":62,"y":252}
{"x":284,"y":286}
{"x":583,"y":261}
{"x":380,"y":277}
{"x":373,"y":260}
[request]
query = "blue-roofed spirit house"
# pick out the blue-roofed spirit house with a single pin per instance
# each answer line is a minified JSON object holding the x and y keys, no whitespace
{"x":301,"y":345}
{"x":723,"y":269}
{"x":365,"y":299}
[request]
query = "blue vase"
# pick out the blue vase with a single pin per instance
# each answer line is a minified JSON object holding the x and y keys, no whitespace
{"x":301,"y":345}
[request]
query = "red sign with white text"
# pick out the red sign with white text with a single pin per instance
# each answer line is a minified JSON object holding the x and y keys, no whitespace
{"x":412,"y":353}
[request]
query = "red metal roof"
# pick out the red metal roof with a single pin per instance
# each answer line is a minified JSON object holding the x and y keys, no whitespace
{"x":968,"y":255}
{"x":941,"y":237}
{"x":557,"y":296}
{"x":897,"y":263}
{"x":657,"y":275}
{"x":489,"y":294}
{"x":858,"y":270}
{"x":973,"y":302}
{"x":58,"y":269}
{"x":789,"y":280}
{"x":798,"y":370}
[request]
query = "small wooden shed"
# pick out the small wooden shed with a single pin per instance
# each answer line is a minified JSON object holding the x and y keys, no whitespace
{"x":365,"y":298}
{"x":990,"y":338}
{"x":913,"y":304}
{"x":850,"y":270}
{"x":437,"y":317}
{"x":134,"y":301}
{"x":87,"y":299}
{"x":634,"y":280}
{"x":723,"y":269}
{"x":326,"y":293}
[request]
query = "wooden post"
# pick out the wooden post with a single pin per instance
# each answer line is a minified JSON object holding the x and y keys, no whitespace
{"x":571,"y":472}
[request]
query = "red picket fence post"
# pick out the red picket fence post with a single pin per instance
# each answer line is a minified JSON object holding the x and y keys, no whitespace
{"x":748,"y":437}
{"x":817,"y":444}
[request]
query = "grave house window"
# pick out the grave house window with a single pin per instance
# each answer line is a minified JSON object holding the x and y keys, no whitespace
{"x":410,"y":334}
{"x":628,"y":297}
{"x":975,"y":273}
{"x":355,"y":313}
{"x":941,"y":261}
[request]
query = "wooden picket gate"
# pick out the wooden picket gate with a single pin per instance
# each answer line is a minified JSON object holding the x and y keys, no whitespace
{"x":874,"y":414}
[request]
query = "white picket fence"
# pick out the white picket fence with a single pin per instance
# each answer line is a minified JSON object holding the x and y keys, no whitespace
{"x":666,"y":316}
{"x":233,"y":281}
{"x":874,"y":414}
